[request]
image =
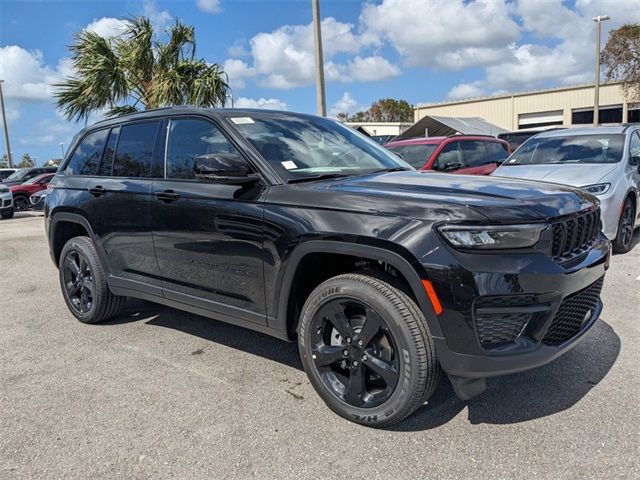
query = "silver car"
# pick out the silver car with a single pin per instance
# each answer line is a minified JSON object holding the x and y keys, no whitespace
{"x":604,"y":161}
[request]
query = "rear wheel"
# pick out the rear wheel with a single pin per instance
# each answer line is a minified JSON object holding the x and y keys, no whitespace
{"x":366,"y":348}
{"x":7,"y":215}
{"x":622,"y":243}
{"x":21,"y":203}
{"x":84,"y":283}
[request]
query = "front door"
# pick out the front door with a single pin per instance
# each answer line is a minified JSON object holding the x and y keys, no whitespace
{"x":207,"y":236}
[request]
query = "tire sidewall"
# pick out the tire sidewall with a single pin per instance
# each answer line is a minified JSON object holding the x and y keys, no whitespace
{"x":76,"y":245}
{"x":395,"y":407}
{"x":620,"y":247}
{"x":21,"y":198}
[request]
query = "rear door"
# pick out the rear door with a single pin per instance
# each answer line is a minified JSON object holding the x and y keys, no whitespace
{"x":207,"y":235}
{"x":120,"y":208}
{"x":476,"y":158}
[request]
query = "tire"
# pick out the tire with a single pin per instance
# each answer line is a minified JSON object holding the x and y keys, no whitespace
{"x":624,"y":234}
{"x":330,"y":352}
{"x":20,"y":203}
{"x":8,"y":215}
{"x":84,"y":283}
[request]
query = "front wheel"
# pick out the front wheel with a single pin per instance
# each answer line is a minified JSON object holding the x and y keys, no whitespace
{"x":367,"y":350}
{"x":21,"y":203}
{"x":624,"y":235}
{"x":7,"y":215}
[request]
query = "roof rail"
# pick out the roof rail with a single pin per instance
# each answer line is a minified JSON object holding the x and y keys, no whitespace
{"x":171,"y":107}
{"x":458,"y":134}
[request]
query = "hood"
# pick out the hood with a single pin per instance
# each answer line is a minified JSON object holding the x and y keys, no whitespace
{"x":497,"y":199}
{"x":576,"y":174}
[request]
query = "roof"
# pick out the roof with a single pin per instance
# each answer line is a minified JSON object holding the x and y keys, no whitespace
{"x":582,"y":131}
{"x":437,"y":126}
{"x":513,"y":94}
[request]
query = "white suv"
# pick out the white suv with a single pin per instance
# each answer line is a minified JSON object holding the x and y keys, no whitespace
{"x":604,"y":161}
{"x":6,"y":202}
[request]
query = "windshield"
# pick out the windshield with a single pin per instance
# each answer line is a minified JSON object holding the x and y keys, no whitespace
{"x":414,"y":155}
{"x":300,"y":146}
{"x":593,"y":148}
{"x":17,"y":175}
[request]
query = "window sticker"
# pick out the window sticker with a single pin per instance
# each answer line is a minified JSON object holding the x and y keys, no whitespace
{"x":289,"y":165}
{"x":242,"y":120}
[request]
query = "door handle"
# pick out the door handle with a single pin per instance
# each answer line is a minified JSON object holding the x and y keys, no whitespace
{"x":167,"y":196}
{"x":97,"y":191}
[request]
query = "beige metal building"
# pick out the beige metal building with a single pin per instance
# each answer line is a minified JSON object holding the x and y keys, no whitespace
{"x":567,"y":106}
{"x":380,"y":128}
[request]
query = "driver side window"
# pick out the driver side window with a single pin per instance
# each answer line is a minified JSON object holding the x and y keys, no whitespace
{"x":190,"y":138}
{"x":634,"y":145}
{"x":451,"y":153}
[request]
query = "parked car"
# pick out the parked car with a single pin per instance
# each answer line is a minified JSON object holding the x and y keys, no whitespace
{"x":23,"y":191}
{"x":604,"y":161}
{"x":37,"y":199}
{"x":24,"y":174}
{"x":469,"y":154}
{"x":298,"y":227}
{"x":5,"y":172}
{"x":6,"y":202}
{"x":517,"y":138}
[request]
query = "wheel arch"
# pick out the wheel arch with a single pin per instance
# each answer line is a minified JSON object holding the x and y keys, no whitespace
{"x":287,"y":321}
{"x":66,"y":225}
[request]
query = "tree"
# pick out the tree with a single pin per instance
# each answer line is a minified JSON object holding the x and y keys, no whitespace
{"x":26,"y":161}
{"x":137,"y":69}
{"x":620,"y":59}
{"x":4,"y":161}
{"x":53,"y":162}
{"x":384,"y":110}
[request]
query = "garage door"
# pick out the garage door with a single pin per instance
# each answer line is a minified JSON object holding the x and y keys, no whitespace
{"x":540,"y":119}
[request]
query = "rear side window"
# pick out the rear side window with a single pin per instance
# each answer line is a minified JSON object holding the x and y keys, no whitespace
{"x":86,"y":158}
{"x":475,"y":153}
{"x":134,"y":153}
{"x":106,"y":167}
{"x":188,"y":139}
{"x":498,"y":151}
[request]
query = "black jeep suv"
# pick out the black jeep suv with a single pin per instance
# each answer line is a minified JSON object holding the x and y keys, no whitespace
{"x":299,"y":227}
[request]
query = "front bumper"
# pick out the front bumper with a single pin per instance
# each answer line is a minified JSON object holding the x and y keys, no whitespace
{"x":530,"y":288}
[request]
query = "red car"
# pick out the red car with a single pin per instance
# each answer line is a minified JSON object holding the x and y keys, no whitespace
{"x":469,"y":154}
{"x":22,"y":192}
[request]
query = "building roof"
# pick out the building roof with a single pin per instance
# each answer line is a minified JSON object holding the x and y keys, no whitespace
{"x":445,"y":126}
{"x":513,"y":94}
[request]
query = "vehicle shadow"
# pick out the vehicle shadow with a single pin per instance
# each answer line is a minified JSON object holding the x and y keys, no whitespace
{"x":509,"y":399}
{"x":533,"y":394}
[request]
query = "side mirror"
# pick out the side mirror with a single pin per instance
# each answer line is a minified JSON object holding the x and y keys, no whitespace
{"x":226,"y":168}
{"x":451,"y":166}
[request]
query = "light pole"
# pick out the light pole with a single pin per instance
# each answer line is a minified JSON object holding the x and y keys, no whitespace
{"x":61,"y":150}
{"x":596,"y":91}
{"x":317,"y":38}
{"x":229,"y":95}
{"x":6,"y":127}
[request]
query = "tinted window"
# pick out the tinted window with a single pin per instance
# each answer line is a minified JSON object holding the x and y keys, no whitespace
{"x":498,"y":151}
{"x":86,"y":158}
{"x":634,"y":145}
{"x":106,"y":166}
{"x":134,"y":152}
{"x":475,"y":154}
{"x":450,"y":154}
{"x":414,"y":155}
{"x":596,"y":148}
{"x":190,"y":138}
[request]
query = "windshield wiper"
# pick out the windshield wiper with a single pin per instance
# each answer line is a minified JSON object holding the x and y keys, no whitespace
{"x":391,"y":169}
{"x":324,"y":176}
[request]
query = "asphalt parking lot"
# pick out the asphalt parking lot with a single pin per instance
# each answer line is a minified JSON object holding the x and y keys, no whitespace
{"x":165,"y":394}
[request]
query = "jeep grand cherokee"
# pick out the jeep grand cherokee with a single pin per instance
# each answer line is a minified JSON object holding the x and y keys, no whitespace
{"x":301,"y":228}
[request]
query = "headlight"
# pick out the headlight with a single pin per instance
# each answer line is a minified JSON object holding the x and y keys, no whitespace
{"x":597,"y":189}
{"x":492,"y":237}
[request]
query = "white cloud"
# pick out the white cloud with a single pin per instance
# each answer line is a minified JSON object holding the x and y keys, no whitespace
{"x":346,"y":104}
{"x":237,"y":71}
{"x":107,"y":27}
{"x":465,"y":90}
{"x":445,"y":34}
{"x":160,"y":19}
{"x":209,"y":6}
{"x":268,"y":103}
{"x":49,"y":132}
{"x":26,"y":75}
{"x":284,"y":58}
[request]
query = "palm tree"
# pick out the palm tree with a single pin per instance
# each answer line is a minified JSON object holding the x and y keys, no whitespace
{"x":123,"y":73}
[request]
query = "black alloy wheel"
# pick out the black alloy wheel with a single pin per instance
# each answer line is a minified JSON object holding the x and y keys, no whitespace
{"x":354,"y":352}
{"x":21,"y":203}
{"x":624,"y":236}
{"x":78,"y":281}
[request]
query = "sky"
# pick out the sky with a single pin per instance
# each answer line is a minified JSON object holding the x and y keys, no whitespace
{"x":416,"y":50}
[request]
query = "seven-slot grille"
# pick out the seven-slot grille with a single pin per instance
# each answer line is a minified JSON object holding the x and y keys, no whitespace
{"x":572,"y":235}
{"x":572,"y":313}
